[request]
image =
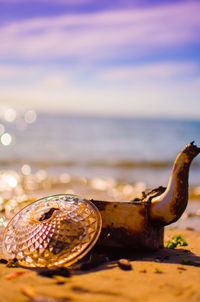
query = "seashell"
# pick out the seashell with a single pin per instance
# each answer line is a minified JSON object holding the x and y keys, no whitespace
{"x":52,"y":231}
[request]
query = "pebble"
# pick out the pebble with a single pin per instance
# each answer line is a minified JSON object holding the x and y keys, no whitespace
{"x":181,"y":268}
{"x":3,"y":261}
{"x":143,"y":271}
{"x":125,"y":264}
{"x":190,"y":229}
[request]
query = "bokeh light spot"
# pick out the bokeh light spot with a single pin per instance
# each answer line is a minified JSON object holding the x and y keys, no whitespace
{"x":10,"y":115}
{"x":6,"y":139}
{"x":30,"y":116}
{"x":26,"y":170}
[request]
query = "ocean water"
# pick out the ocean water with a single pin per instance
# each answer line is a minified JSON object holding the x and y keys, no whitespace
{"x":128,"y":149}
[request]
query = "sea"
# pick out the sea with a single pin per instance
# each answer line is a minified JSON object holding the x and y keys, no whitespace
{"x":127,"y":149}
{"x":105,"y":151}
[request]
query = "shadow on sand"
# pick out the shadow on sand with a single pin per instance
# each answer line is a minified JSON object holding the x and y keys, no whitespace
{"x":103,"y":259}
{"x":107,"y":258}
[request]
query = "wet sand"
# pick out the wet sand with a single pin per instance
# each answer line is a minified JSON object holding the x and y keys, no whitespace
{"x":158,"y":276}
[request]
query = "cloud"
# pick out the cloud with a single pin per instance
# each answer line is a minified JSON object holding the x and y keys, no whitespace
{"x":168,"y":99}
{"x":82,"y":83}
{"x":59,"y":91}
{"x":169,"y":70}
{"x":103,"y":35}
{"x":45,"y":76}
{"x":9,"y":72}
{"x":58,"y":77}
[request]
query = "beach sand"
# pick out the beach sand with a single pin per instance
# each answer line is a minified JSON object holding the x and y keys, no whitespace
{"x":165,"y":275}
{"x":157,"y":276}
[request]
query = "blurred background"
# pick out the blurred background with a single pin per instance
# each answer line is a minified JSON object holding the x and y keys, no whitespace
{"x":96,"y":97}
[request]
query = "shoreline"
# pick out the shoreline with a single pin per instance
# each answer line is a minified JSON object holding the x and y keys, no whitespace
{"x":18,"y":190}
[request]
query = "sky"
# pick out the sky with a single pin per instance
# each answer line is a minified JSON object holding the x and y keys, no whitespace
{"x":117,"y":57}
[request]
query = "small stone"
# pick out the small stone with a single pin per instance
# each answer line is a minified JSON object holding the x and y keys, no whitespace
{"x":190,"y":228}
{"x":125,"y":264}
{"x":3,"y":261}
{"x":143,"y":271}
{"x":181,"y":268}
{"x":60,"y":282}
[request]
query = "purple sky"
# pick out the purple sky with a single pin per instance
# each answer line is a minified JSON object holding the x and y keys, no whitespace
{"x":104,"y":57}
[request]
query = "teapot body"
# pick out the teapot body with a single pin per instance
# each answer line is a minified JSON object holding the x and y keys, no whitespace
{"x":128,"y":225}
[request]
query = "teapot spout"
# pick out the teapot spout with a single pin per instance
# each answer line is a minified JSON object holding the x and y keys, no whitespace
{"x":170,"y":205}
